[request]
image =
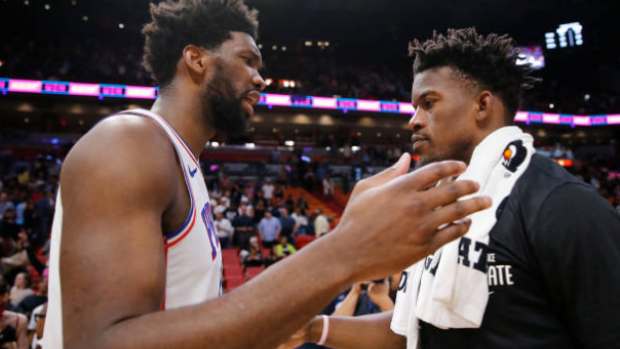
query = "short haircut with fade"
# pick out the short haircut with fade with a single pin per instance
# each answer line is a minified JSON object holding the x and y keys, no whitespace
{"x":486,"y":63}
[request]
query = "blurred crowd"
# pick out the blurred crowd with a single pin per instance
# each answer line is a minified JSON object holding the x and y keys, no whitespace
{"x":324,"y":73}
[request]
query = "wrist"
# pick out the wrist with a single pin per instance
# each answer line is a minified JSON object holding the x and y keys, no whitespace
{"x":315,"y":330}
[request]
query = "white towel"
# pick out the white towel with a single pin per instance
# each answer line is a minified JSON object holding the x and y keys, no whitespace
{"x":448,"y":289}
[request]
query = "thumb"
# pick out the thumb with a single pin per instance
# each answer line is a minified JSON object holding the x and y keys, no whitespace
{"x":398,"y":169}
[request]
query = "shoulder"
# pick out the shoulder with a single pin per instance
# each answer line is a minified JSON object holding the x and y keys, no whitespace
{"x":561,"y":211}
{"x":122,"y":137}
{"x":540,"y":182}
{"x":124,"y":151}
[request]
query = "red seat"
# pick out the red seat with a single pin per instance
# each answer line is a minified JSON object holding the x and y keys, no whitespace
{"x":253,"y":271}
{"x":233,"y":270}
{"x":303,"y":240}
{"x":234,"y":282}
{"x":229,"y":256}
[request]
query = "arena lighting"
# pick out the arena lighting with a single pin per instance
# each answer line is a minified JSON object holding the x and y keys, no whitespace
{"x":568,"y":35}
{"x":289,"y":143}
{"x":355,"y":148}
{"x":564,"y":162}
{"x":279,"y":100}
{"x":250,"y":145}
{"x":215,"y":144}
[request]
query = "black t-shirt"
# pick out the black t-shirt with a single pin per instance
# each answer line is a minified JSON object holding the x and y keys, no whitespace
{"x":553,"y":270}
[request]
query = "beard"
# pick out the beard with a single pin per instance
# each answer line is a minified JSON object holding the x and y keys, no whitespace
{"x":221,"y":102}
{"x":461,"y":149}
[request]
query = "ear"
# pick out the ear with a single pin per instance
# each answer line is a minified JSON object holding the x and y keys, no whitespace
{"x":485,"y":103}
{"x":195,"y":60}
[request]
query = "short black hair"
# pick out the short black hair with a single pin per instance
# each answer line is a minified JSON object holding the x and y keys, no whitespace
{"x":178,"y":23}
{"x":488,"y":63}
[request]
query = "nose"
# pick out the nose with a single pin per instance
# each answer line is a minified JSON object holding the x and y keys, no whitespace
{"x":416,"y":123}
{"x":259,"y":82}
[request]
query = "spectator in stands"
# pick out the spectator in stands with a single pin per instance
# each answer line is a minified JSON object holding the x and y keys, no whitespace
{"x":231,"y":212}
{"x":254,"y":257}
{"x":8,"y":233}
{"x":44,"y":213}
{"x":272,"y":257}
{"x":284,"y":248}
{"x":244,"y":229}
{"x":18,"y":260}
{"x":20,"y":208}
{"x":226,"y":183}
{"x":282,"y":177}
{"x":302,"y":203}
{"x":21,"y":288}
{"x":259,"y":211}
{"x":260,"y":198}
{"x":245,"y":205}
{"x":269,"y":229}
{"x":13,"y":326}
{"x":29,"y":216}
{"x":223,"y":227}
{"x":5,"y":204}
{"x":226,"y":200}
{"x":290,"y":203}
{"x":309,"y":181}
{"x":328,"y":187}
{"x":268,"y":190}
{"x":288,"y":224}
{"x":32,"y":256}
{"x":301,"y":221}
{"x":36,"y":326}
{"x":321,"y":223}
{"x":28,"y":304}
{"x":278,"y":194}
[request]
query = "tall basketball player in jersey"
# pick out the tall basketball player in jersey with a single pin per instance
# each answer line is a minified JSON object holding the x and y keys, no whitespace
{"x":135,"y":261}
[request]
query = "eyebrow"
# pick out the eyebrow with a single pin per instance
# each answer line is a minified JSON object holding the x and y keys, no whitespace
{"x":423,"y":95}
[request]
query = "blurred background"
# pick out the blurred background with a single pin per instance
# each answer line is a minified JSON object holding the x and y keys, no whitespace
{"x":65,"y":64}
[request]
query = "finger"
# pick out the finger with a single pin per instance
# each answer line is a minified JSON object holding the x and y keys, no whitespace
{"x":433,"y":173}
{"x":459,"y":210}
{"x":449,"y":233}
{"x":448,"y":193}
{"x":398,"y":169}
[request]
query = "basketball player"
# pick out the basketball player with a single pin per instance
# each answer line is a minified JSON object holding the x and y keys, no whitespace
{"x":552,"y":258}
{"x":135,"y":260}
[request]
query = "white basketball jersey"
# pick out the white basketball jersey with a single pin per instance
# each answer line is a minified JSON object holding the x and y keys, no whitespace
{"x":193,"y":255}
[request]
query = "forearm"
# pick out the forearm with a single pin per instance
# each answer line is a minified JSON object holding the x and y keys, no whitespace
{"x":347,"y":307}
{"x":255,"y":309}
{"x":362,"y":332}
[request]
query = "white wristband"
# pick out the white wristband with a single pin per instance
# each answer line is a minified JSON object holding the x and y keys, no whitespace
{"x":325,"y":330}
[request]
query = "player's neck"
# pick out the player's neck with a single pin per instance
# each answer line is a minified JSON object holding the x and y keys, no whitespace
{"x":183,"y":112}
